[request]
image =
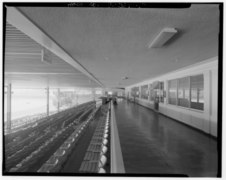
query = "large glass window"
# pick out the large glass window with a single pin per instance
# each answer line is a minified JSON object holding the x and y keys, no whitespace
{"x":161,"y":91}
{"x":197,"y":95}
{"x":187,"y":92}
{"x":144,"y":92}
{"x":152,"y":93}
{"x":132,"y":93}
{"x":135,"y":92}
{"x":172,"y":92}
{"x":183,"y":92}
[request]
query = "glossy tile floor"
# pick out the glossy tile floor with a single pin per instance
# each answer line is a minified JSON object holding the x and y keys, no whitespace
{"x":154,"y":144}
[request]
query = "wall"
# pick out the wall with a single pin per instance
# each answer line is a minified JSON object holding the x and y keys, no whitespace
{"x":205,"y":120}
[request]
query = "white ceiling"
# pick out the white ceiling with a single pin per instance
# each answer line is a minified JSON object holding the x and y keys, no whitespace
{"x":24,"y":68}
{"x":111,"y":43}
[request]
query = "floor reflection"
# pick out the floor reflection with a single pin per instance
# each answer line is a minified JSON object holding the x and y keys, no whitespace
{"x":152,"y":143}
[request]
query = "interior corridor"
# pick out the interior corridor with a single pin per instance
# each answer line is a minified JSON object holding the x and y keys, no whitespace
{"x":153,"y":143}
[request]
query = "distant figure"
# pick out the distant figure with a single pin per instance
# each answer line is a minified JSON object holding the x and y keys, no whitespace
{"x":115,"y":101}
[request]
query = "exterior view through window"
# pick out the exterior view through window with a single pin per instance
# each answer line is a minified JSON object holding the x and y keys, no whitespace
{"x":187,"y":92}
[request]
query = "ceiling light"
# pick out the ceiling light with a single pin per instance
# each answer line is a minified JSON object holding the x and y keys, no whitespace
{"x":165,"y":35}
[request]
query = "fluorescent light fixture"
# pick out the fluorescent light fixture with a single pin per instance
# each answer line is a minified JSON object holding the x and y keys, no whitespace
{"x":165,"y":35}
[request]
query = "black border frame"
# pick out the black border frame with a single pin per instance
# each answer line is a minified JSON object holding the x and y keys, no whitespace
{"x":120,"y":5}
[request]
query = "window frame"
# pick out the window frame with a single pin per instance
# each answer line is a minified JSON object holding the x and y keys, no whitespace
{"x":203,"y":104}
{"x":144,"y":96}
{"x":151,"y":90}
{"x":161,"y":92}
{"x":176,"y":92}
{"x":178,"y":83}
{"x":190,"y":93}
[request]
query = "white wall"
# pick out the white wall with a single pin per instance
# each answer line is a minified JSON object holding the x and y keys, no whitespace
{"x":205,"y":120}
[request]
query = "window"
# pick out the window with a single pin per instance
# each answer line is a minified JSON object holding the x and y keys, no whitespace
{"x":183,"y":92}
{"x":135,"y":92}
{"x":132,"y":92}
{"x":144,"y":92}
{"x":197,"y":95}
{"x":187,"y":92}
{"x":161,"y":92}
{"x":152,"y":94}
{"x":172,"y":92}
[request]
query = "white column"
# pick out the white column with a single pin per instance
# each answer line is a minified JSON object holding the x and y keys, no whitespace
{"x":9,"y":106}
{"x":76,"y":99}
{"x":149,"y":92}
{"x":93,"y":94}
{"x":58,"y":100}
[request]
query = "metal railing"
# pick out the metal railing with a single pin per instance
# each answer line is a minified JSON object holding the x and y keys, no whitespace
{"x":117,"y":164}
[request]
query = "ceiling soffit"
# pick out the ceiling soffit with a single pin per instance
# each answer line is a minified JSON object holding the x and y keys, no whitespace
{"x":112,"y":43}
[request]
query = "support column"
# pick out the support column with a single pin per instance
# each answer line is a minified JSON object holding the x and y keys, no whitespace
{"x":76,"y":99}
{"x":9,"y":106}
{"x":58,"y":100}
{"x":94,"y":99}
{"x":93,"y":94}
{"x":47,"y":92}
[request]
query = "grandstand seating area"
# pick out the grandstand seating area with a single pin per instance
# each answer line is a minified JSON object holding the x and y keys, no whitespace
{"x":97,"y":154}
{"x":25,"y":121}
{"x":45,"y":146}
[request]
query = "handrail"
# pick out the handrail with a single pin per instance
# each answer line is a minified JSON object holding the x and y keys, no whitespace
{"x":117,"y":164}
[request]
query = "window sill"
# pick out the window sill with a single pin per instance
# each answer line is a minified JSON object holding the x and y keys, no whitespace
{"x":190,"y":109}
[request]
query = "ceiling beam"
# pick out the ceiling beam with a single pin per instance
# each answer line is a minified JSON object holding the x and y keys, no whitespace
{"x":41,"y":73}
{"x":22,"y":53}
{"x":21,"y":22}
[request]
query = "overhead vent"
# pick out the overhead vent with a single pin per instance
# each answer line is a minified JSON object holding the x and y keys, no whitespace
{"x":164,"y":36}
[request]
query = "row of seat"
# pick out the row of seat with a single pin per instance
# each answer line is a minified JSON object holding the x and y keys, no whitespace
{"x":23,"y":130}
{"x":31,"y":139}
{"x":27,"y":121}
{"x":36,"y":148}
{"x":95,"y":157}
{"x":16,"y":146}
{"x":55,"y":162}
